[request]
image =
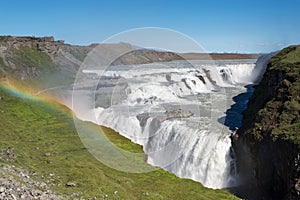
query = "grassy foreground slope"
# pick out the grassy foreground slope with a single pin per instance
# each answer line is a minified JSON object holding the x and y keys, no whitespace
{"x":45,"y":141}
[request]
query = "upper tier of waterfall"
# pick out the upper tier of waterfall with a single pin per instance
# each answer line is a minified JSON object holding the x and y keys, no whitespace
{"x":173,"y":109}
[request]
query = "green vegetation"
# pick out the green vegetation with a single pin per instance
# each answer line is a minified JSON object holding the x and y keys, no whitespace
{"x":2,"y":64}
{"x":32,"y":65}
{"x":289,"y":55}
{"x":31,"y":57}
{"x":269,"y":139}
{"x":37,"y":68}
{"x":79,"y":55}
{"x":3,"y":38}
{"x":275,"y":104}
{"x":3,"y":67}
{"x":288,"y":62}
{"x":34,"y":128}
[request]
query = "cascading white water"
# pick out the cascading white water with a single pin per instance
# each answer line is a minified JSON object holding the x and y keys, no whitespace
{"x":193,"y":146}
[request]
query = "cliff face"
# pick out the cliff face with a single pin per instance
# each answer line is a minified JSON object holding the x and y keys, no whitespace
{"x":43,"y":60}
{"x":50,"y":63}
{"x":267,"y":150}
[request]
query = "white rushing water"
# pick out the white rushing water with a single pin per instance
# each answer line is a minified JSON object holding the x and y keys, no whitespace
{"x":175,"y":111}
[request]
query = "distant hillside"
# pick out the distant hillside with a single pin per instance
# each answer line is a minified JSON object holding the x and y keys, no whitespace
{"x":44,"y":62}
{"x":219,"y":56}
{"x":268,"y":148}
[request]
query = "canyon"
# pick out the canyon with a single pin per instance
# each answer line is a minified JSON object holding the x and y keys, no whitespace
{"x":194,"y":105}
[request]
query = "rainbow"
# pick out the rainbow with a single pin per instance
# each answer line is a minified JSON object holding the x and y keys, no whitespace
{"x":94,"y":137}
{"x":13,"y":91}
{"x":31,"y":95}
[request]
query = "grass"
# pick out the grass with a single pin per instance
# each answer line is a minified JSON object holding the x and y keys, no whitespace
{"x":4,"y":38}
{"x":78,"y":55}
{"x":288,"y":63}
{"x":37,"y":68}
{"x":31,"y":57}
{"x":33,"y":127}
{"x":3,"y":68}
{"x":292,"y":56}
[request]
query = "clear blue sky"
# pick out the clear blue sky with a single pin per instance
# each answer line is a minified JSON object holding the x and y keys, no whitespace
{"x":219,"y":26}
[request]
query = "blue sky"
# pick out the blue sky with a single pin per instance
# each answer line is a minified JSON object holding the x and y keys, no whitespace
{"x":219,"y":26}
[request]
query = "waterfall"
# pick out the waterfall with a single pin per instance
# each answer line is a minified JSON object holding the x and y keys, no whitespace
{"x":174,"y":111}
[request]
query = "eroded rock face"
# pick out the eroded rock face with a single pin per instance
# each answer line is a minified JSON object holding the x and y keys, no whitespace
{"x":176,"y":114}
{"x":27,"y":58}
{"x":267,"y":148}
{"x":168,"y":115}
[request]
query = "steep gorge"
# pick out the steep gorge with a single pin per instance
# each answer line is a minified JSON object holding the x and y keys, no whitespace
{"x":267,"y":147}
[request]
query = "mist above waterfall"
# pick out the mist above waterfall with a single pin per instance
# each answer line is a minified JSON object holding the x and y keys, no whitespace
{"x":173,"y":109}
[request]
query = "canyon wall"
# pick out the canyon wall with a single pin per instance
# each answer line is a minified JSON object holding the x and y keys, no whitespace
{"x":267,"y":145}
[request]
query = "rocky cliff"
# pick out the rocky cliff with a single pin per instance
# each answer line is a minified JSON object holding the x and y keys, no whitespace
{"x":268,"y":144}
{"x":43,"y":60}
{"x":49,"y":63}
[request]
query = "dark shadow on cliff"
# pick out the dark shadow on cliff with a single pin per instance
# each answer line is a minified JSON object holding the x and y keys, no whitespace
{"x":233,"y":119}
{"x":234,"y":115}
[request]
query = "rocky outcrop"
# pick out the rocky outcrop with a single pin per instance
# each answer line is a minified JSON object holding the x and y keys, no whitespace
{"x":168,"y":115}
{"x":32,"y":58}
{"x":173,"y":114}
{"x":267,"y":148}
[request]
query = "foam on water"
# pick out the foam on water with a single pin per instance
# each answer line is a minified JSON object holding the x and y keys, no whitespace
{"x":196,"y":147}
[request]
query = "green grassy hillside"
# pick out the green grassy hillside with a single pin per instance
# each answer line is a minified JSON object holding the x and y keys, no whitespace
{"x":45,"y":141}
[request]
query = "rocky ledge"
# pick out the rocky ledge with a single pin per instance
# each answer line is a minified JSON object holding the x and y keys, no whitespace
{"x":172,"y":114}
